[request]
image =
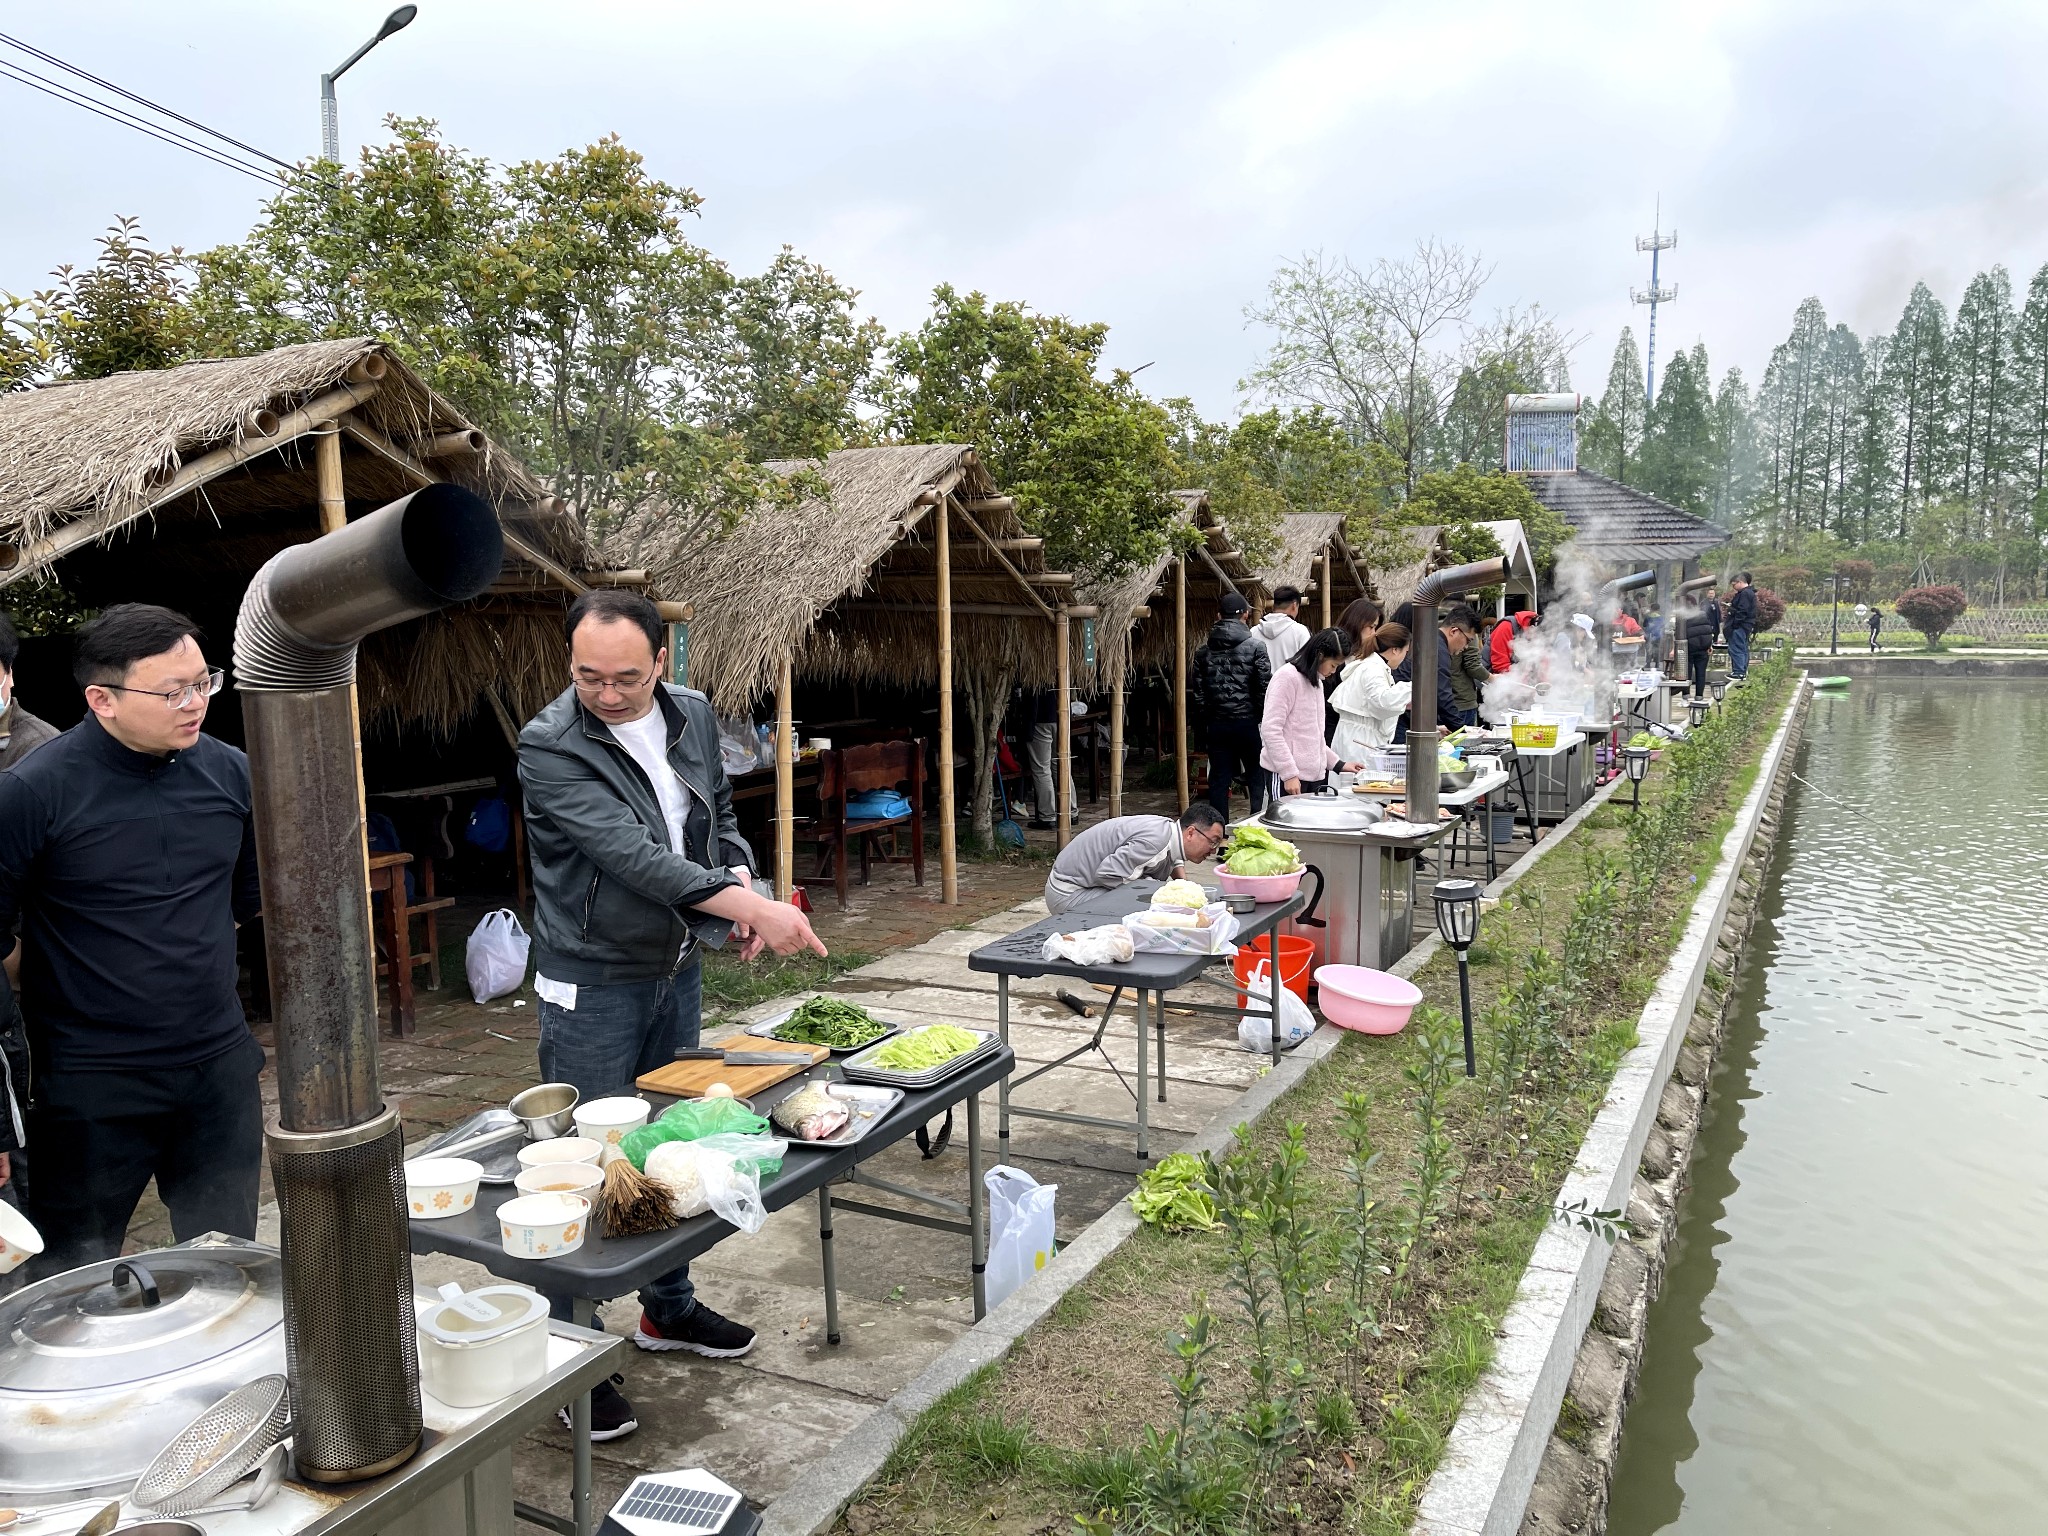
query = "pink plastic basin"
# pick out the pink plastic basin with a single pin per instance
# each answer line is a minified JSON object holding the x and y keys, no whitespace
{"x":1371,"y":1002}
{"x":1259,"y":887}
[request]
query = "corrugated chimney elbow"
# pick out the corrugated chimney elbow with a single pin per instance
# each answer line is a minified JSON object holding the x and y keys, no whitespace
{"x":1454,"y":579}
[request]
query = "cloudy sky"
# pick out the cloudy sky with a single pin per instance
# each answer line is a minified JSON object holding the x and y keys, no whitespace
{"x":1148,"y":164}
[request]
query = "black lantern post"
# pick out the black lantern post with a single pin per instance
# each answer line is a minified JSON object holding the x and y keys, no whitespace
{"x":1457,"y":920}
{"x":1720,"y":687}
{"x":1697,"y":709}
{"x":1637,"y":761}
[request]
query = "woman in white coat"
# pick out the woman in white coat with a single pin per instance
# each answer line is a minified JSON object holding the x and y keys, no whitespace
{"x":1368,"y":701}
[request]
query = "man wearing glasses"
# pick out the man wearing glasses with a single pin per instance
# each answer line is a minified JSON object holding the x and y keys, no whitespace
{"x":127,"y":858}
{"x":637,"y":867}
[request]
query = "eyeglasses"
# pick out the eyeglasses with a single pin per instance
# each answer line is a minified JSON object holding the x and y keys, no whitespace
{"x":179,"y":698}
{"x":596,"y":686}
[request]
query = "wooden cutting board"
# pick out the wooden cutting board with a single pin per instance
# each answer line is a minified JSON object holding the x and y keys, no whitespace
{"x":689,"y":1079}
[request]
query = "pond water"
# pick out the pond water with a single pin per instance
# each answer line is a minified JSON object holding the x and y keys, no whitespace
{"x":1853,"y":1335}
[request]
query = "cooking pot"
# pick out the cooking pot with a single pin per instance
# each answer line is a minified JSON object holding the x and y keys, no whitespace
{"x":100,"y":1367}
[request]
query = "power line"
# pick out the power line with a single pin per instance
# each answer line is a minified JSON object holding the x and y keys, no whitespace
{"x":129,"y":120}
{"x":140,"y":101}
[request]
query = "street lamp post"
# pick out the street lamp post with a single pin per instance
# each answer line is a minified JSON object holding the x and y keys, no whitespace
{"x":330,"y":122}
{"x":1835,"y":616}
{"x":1457,"y":922}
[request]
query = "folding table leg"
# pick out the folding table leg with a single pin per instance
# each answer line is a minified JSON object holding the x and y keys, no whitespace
{"x":1273,"y":974}
{"x":582,"y":1481}
{"x":1144,"y":1044}
{"x":831,"y":1263}
{"x":1159,"y":1032}
{"x":976,"y":1197}
{"x":1003,"y":1087}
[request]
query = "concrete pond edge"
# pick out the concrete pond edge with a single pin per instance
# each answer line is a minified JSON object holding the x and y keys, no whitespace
{"x":815,"y":1501}
{"x":1484,"y":1483}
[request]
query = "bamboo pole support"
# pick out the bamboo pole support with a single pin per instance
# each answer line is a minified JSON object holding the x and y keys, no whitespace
{"x":785,"y":783}
{"x":1116,"y":750}
{"x":1180,"y":678}
{"x":949,"y":862}
{"x":1063,"y":786}
{"x":1325,"y":585}
{"x":327,"y":467}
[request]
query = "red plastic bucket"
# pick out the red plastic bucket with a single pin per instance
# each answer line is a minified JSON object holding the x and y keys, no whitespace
{"x":1296,"y":956}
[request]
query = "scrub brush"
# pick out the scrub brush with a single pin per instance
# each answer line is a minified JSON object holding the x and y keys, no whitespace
{"x":633,"y":1203}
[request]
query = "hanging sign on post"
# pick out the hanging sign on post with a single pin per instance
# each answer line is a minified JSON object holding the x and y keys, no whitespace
{"x":679,"y":654}
{"x":1087,"y":642}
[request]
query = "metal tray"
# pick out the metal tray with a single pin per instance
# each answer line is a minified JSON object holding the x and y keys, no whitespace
{"x":500,"y":1163}
{"x":871,"y":1106}
{"x":765,"y":1030}
{"x":857,"y":1069}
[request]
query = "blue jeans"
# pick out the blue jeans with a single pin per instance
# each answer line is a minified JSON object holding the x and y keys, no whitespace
{"x":1738,"y":652}
{"x":613,"y":1035}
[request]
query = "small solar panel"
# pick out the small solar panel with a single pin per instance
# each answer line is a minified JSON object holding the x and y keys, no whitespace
{"x":675,"y":1502}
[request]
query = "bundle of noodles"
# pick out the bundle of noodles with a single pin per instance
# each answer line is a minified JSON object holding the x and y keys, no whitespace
{"x":633,"y":1204}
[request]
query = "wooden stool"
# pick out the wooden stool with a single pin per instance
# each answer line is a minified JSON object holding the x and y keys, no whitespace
{"x":387,"y":875}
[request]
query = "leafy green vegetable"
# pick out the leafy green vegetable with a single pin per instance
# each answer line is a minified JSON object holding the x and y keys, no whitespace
{"x":925,"y":1047}
{"x":1643,"y":739}
{"x":1173,"y":1195}
{"x":1255,"y":851}
{"x":828,"y":1021}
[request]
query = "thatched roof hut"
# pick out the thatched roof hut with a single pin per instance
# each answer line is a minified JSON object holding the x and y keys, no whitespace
{"x":1134,"y":629}
{"x":1311,"y":545}
{"x":842,"y":585}
{"x":175,"y":485}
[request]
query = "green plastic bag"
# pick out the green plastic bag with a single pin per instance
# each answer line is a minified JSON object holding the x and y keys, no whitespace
{"x":692,"y":1120}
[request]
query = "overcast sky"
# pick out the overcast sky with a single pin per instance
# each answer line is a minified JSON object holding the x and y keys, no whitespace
{"x":1148,"y":165}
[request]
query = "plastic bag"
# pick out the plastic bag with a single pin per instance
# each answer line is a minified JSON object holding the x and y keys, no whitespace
{"x":1255,"y":1029}
{"x":1020,"y":1225}
{"x":496,"y":957}
{"x":721,"y":1174}
{"x":1108,"y":945}
{"x":692,"y":1120}
{"x":1215,"y":939}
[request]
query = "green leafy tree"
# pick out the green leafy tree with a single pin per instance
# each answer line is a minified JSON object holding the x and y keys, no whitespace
{"x":801,"y":364}
{"x":1275,"y":463}
{"x":1614,"y":437}
{"x":1681,"y":459}
{"x":1459,"y":499}
{"x":27,"y":347}
{"x":124,"y":313}
{"x":1735,"y":488}
{"x":1524,"y":352}
{"x":2029,"y":399}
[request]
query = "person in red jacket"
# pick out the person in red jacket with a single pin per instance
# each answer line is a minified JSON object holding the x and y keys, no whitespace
{"x":1500,"y":644}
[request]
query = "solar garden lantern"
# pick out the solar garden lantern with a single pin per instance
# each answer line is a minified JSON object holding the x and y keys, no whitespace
{"x":1720,"y":687}
{"x":1637,"y":761}
{"x":1697,"y":708}
{"x":1457,"y":923}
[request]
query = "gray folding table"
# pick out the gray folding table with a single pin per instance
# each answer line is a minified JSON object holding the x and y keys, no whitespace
{"x":1149,"y":977}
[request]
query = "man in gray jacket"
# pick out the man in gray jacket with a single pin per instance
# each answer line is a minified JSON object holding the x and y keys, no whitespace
{"x":637,"y":867}
{"x":1114,"y":853}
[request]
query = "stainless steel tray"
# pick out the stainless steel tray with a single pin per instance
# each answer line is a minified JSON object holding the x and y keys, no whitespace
{"x":766,"y":1030}
{"x":500,"y":1161}
{"x":870,"y":1106}
{"x":858,"y":1069}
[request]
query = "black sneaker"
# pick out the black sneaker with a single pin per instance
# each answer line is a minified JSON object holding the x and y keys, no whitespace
{"x":703,"y":1332}
{"x":611,"y":1416}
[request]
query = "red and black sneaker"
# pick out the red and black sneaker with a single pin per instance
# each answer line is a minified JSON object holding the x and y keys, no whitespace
{"x":703,"y":1332}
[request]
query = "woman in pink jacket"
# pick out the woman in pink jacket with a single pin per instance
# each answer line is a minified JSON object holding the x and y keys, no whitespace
{"x":1291,"y":745}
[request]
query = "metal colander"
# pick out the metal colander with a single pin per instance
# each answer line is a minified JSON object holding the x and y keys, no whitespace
{"x":216,"y":1450}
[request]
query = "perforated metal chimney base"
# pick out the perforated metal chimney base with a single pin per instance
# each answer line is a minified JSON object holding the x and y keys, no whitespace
{"x":348,"y":1307}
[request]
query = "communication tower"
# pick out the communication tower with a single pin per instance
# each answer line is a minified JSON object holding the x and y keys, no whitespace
{"x":1654,"y":242}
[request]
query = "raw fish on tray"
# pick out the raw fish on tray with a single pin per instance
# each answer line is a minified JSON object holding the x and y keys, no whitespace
{"x":811,"y":1113}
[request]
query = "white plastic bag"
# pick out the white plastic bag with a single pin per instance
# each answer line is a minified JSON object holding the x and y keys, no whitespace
{"x":1108,"y":945}
{"x":1255,"y":1029}
{"x":1020,"y":1212}
{"x":1212,"y":939}
{"x":720,"y":1174}
{"x":496,"y":957}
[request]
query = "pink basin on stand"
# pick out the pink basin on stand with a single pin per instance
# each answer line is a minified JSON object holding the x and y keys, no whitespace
{"x":1260,"y":888}
{"x":1371,"y":1002}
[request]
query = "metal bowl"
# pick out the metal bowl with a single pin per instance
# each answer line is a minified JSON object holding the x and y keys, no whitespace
{"x":1451,"y":780}
{"x":547,"y":1111}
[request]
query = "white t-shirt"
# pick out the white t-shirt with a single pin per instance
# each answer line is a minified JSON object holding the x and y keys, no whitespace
{"x":647,"y":739}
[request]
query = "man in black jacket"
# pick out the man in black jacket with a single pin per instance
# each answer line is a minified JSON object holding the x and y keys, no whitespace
{"x":1455,"y":632}
{"x":1741,"y":624}
{"x":1227,"y":692}
{"x":637,"y":866}
{"x":1702,"y":629}
{"x":127,"y":858}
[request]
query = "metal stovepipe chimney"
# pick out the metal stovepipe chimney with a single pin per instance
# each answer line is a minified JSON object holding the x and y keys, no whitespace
{"x":1607,"y":603}
{"x":1448,"y":582}
{"x":335,"y":1150}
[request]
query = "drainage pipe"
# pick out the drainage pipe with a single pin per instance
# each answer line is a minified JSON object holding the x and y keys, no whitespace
{"x":335,"y":1149}
{"x":1422,"y":739}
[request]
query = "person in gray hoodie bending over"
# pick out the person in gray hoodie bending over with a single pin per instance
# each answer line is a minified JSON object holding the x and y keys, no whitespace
{"x":1113,"y":853}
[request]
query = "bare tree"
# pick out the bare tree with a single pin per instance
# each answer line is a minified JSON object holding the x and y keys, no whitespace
{"x":1379,"y":348}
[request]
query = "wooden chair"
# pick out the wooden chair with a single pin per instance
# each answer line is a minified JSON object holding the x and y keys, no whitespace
{"x":391,"y":921}
{"x":845,"y":771}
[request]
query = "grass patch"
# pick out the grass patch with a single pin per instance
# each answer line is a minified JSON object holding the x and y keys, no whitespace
{"x":1300,"y":1369}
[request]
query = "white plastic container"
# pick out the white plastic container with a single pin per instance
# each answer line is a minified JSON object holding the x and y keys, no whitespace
{"x":543,"y":1226}
{"x":19,"y":1240}
{"x":608,"y":1121}
{"x":563,"y":1149}
{"x":441,"y":1186}
{"x":480,"y":1347}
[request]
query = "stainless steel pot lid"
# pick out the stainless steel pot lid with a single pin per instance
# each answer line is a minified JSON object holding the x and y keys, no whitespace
{"x":127,"y":1320}
{"x":1322,"y":813}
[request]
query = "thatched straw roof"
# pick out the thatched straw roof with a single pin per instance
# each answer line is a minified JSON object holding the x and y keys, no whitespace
{"x":1127,"y":637}
{"x":843,"y":585}
{"x":1303,"y":537}
{"x":175,"y":485}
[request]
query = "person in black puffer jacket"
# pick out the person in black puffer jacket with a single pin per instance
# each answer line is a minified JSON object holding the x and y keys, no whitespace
{"x":1227,"y":692}
{"x":1702,"y":629}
